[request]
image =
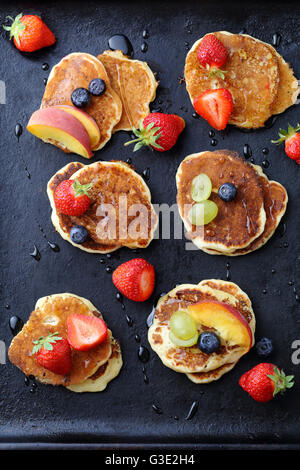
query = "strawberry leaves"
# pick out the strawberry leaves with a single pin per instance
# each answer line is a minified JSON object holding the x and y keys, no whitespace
{"x":284,"y":135}
{"x":46,"y":342}
{"x":81,"y":189}
{"x":281,"y":381}
{"x":16,"y":27}
{"x":148,"y":135}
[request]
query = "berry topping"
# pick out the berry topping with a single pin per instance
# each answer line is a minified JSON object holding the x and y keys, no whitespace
{"x":72,"y":198}
{"x":212,"y":54}
{"x":53,"y":353}
{"x":97,"y":87}
{"x":159,"y":131}
{"x":135,"y":279}
{"x":264,"y":347}
{"x":208,"y":342}
{"x":203,"y":213}
{"x":79,"y":234}
{"x":30,"y":33}
{"x":265,"y":381}
{"x":80,"y":97}
{"x":85,"y":332}
{"x":215,"y":106}
{"x":227,"y":192}
{"x":201,"y":188}
{"x":291,"y":138}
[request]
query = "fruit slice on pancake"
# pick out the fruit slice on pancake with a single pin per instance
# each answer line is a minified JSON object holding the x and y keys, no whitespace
{"x":228,"y":314}
{"x":134,"y":82}
{"x":239,"y":221}
{"x":50,"y":316}
{"x":260,"y":82}
{"x":275,"y":204}
{"x":77,"y":70}
{"x":107,"y":372}
{"x":54,"y":125}
{"x":226,"y":320}
{"x":120,"y":211}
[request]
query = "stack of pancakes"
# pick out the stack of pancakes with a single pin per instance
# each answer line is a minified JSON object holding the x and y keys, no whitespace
{"x":242,"y":225}
{"x":130,"y":87}
{"x":91,"y":370}
{"x":198,"y":366}
{"x":118,"y":186}
{"x":259,"y":79}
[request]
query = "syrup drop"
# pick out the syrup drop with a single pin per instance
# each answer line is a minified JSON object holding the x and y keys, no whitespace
{"x":145,"y":34}
{"x":35,"y":253}
{"x":144,"y":47}
{"x":45,"y":66}
{"x":15,"y":324}
{"x":54,"y":247}
{"x":276,"y":39}
{"x":247,"y":151}
{"x":192,"y":411}
{"x":143,"y":354}
{"x":18,"y":131}
{"x":122,"y":43}
{"x":157,"y":409}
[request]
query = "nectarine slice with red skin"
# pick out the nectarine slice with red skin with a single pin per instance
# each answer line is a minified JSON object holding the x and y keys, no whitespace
{"x":86,"y":120}
{"x":56,"y":124}
{"x":225,"y":319}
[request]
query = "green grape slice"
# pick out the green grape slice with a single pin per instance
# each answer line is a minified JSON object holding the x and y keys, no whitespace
{"x":203,"y":213}
{"x":183,"y":343}
{"x":201,"y":187}
{"x":182,"y":325}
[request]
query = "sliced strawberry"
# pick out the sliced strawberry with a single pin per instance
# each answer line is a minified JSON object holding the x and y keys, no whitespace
{"x":135,"y":279}
{"x":215,"y":106}
{"x":85,"y":332}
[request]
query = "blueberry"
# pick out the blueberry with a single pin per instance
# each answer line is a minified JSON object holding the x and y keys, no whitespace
{"x":80,"y":97}
{"x":97,"y":87}
{"x":208,"y":342}
{"x":78,"y":234}
{"x":264,"y":347}
{"x":227,"y":192}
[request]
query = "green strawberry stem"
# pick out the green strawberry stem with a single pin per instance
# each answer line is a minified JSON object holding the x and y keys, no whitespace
{"x":216,"y":72}
{"x":145,"y":136}
{"x":81,"y":189}
{"x":281,"y":381}
{"x":16,"y":27}
{"x":285,"y":135}
{"x":46,"y":342}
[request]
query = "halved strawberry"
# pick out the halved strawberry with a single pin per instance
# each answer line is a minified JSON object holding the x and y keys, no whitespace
{"x":135,"y":279}
{"x":85,"y":332}
{"x":215,"y":106}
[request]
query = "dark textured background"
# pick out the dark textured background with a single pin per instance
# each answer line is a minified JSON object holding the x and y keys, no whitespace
{"x":123,"y":413}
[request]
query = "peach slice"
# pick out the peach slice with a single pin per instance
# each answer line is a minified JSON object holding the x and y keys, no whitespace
{"x":58,"y":125}
{"x":86,"y":120}
{"x":230,"y":325}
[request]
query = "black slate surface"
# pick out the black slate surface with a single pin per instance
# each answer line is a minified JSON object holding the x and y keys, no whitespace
{"x":123,"y":413}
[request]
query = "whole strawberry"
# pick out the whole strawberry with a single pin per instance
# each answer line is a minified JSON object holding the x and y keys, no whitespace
{"x":212,"y":54}
{"x":72,"y":198}
{"x":291,"y":139}
{"x":135,"y":279}
{"x":30,"y":33}
{"x":264,"y":381}
{"x":53,"y":353}
{"x":159,"y":131}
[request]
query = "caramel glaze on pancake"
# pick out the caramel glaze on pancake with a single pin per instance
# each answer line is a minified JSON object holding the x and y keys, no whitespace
{"x":239,"y":221}
{"x":252,"y":77}
{"x":77,"y":70}
{"x":102,"y":369}
{"x":193,"y":357}
{"x":275,"y":202}
{"x":135,"y":84}
{"x":108,"y":184}
{"x":84,"y":363}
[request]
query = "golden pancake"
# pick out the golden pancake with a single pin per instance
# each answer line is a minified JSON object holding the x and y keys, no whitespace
{"x":50,"y":315}
{"x":238,"y":222}
{"x":191,"y":359}
{"x":77,"y":70}
{"x":207,"y":377}
{"x":134,"y":82}
{"x":275,"y":203}
{"x":113,"y":183}
{"x":107,"y":372}
{"x":252,"y":77}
